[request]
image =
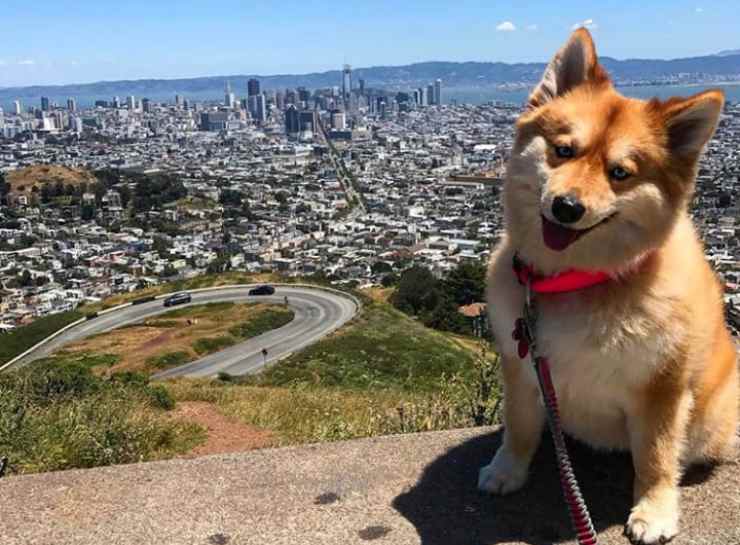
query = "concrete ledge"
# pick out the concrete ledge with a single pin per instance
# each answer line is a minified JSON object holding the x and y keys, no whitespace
{"x":402,"y":489}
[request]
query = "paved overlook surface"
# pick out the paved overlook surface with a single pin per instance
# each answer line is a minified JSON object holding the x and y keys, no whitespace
{"x":412,"y":489}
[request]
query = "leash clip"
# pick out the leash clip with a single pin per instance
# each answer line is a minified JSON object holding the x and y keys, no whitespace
{"x":525,"y":327}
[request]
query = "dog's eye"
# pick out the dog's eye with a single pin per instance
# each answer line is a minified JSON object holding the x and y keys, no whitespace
{"x":564,"y":152}
{"x":618,"y":173}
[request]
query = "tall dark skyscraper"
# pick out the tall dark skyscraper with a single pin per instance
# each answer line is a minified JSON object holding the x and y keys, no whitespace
{"x":253,"y":87}
{"x":292,"y":121}
{"x":362,"y":87}
{"x":45,"y":104}
{"x":346,"y":84}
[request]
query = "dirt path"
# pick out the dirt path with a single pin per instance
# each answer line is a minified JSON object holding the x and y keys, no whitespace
{"x":224,"y":434}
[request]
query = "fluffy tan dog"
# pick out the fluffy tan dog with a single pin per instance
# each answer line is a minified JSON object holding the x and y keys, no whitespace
{"x":642,"y":361}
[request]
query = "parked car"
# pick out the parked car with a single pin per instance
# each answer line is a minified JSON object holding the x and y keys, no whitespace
{"x":262,"y":290}
{"x":177,"y":299}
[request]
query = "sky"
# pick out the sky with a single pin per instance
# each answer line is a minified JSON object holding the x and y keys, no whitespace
{"x":79,"y":41}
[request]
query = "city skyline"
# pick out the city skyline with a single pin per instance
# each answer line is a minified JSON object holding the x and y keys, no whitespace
{"x":115,"y":45}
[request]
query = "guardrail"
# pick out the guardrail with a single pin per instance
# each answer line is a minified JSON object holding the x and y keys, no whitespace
{"x":88,"y":317}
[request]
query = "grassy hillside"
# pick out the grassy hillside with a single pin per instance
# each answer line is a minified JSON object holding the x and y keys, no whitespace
{"x":25,"y":179}
{"x":381,"y":348}
{"x":23,"y":338}
{"x":382,"y":373}
{"x":57,"y":415}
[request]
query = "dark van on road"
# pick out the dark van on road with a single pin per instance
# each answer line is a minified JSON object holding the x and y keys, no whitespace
{"x":177,"y":299}
{"x":262,"y":290}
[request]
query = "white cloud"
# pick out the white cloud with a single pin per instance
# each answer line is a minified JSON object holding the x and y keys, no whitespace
{"x":2,"y":62}
{"x":699,"y":10}
{"x":27,"y":62}
{"x":506,"y":26}
{"x":532,"y":27}
{"x":588,"y":23}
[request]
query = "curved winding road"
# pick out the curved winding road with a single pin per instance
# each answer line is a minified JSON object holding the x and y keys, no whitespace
{"x":317,"y":313}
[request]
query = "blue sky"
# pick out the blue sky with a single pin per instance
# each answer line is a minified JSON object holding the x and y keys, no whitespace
{"x":76,"y":41}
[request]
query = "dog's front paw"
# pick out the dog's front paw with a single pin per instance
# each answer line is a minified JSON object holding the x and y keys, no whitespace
{"x":652,"y":522}
{"x":504,"y":474}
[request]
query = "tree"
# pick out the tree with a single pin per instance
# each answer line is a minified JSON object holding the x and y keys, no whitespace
{"x":87,"y":213}
{"x":418,"y":291}
{"x":229,"y":197}
{"x":125,"y":193}
{"x":467,"y":283}
{"x":25,"y":279}
{"x":161,"y":245}
{"x":4,"y":189}
{"x":380,"y":267}
{"x":446,"y":317}
{"x":46,"y":193}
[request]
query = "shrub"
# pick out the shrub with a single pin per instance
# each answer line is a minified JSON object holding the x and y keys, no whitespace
{"x":58,"y":415}
{"x":161,"y":397}
{"x":263,"y":322}
{"x":165,"y":361}
{"x":209,"y":345}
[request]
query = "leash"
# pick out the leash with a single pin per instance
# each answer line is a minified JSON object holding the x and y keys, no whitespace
{"x":524,"y":332}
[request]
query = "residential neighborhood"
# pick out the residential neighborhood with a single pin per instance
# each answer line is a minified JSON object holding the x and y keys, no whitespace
{"x":355,"y":185}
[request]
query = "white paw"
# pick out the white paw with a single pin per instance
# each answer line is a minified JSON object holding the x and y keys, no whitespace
{"x":504,"y":474}
{"x":652,"y":522}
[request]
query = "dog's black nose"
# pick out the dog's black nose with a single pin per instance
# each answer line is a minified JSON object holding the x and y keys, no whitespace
{"x":567,"y":209}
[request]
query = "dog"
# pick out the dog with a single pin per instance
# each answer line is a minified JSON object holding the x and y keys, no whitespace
{"x":642,"y":359}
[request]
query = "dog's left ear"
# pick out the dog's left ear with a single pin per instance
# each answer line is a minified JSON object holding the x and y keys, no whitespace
{"x":574,"y":64}
{"x":690,"y":122}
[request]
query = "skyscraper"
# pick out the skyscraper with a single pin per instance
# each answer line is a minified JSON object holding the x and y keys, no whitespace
{"x":362,"y":87}
{"x":229,"y":98}
{"x":71,"y":105}
{"x":430,"y":94}
{"x":17,"y":105}
{"x":260,"y":108}
{"x":131,"y":103}
{"x":178,"y":100}
{"x":146,"y":105}
{"x":292,"y":121}
{"x":45,"y":104}
{"x":116,"y":102}
{"x":346,"y":85}
{"x":438,"y":92}
{"x":423,"y":98}
{"x":253,"y":87}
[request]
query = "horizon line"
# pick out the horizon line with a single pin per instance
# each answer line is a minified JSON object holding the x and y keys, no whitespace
{"x":175,"y":78}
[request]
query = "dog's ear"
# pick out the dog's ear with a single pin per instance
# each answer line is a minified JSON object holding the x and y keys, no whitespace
{"x":574,"y":64}
{"x":690,"y":122}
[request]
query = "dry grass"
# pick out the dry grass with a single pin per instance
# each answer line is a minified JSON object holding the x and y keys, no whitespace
{"x":381,"y":295}
{"x":24,"y":179}
{"x":178,"y":331}
{"x":326,"y":414}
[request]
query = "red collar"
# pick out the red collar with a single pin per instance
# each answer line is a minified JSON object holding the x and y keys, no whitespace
{"x":571,"y":280}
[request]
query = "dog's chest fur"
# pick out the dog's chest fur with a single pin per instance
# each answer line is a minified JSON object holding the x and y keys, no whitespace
{"x":599,"y":355}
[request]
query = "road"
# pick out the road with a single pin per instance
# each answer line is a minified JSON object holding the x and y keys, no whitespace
{"x":317,"y":313}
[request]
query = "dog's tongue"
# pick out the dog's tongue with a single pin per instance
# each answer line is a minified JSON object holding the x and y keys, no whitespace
{"x":556,"y":236}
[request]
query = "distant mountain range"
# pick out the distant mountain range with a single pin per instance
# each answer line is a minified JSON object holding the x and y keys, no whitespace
{"x":453,"y":74}
{"x":728,"y":52}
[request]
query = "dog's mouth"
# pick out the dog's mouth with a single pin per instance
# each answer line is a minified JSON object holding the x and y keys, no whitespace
{"x":558,"y":238}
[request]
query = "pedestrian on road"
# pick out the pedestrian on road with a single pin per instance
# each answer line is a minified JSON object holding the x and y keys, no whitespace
{"x":264,"y":354}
